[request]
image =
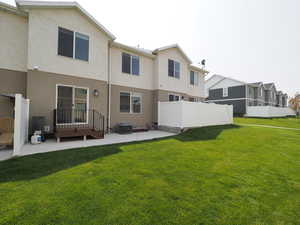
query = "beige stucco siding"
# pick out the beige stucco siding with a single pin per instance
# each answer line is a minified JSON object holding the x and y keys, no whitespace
{"x":137,"y":119}
{"x":165,"y":82}
{"x":143,"y":81}
{"x":43,"y":43}
{"x":11,"y":82}
{"x":41,"y":91}
{"x":182,"y":85}
{"x":13,"y":44}
{"x":197,"y":90}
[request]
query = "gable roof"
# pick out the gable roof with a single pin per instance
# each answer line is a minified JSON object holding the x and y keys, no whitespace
{"x":66,"y":5}
{"x":257,"y":84}
{"x":269,"y":86}
{"x":173,"y":46}
{"x":228,"y":78}
{"x":136,"y":50}
{"x":195,"y":67}
{"x":11,"y":9}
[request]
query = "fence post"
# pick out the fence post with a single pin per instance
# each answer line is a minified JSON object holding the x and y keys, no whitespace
{"x":158,"y":113}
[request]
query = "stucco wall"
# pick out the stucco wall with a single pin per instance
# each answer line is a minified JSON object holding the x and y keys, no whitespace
{"x":43,"y":43}
{"x":139,"y":119}
{"x":41,"y":91}
{"x":13,"y":44}
{"x":182,"y":85}
{"x":143,"y":81}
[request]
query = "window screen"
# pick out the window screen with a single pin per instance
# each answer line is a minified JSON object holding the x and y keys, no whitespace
{"x":124,"y":102}
{"x":126,"y":63}
{"x":65,"y":42}
{"x":171,"y":68}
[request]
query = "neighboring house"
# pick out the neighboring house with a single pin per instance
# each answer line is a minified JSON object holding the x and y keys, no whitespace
{"x":226,"y":90}
{"x":58,"y":56}
{"x":270,"y":94}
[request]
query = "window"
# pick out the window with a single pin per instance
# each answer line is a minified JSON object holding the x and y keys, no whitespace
{"x":72,"y":104}
{"x":173,"y":69}
{"x":124,"y":102}
{"x":225,"y":92}
{"x":191,"y":99}
{"x":65,"y":42}
{"x":82,"y":47}
{"x":66,"y":47}
{"x":130,"y":102}
{"x":194,"y":78}
{"x":130,"y":64}
{"x":173,"y":97}
{"x":136,"y":103}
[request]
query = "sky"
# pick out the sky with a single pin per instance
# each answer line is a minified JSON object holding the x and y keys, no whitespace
{"x":249,"y":40}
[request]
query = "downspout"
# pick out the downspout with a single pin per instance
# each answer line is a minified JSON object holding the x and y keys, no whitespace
{"x":246,"y":95}
{"x":109,"y":89}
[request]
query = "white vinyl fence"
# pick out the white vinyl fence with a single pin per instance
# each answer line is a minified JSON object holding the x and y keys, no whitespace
{"x":21,"y":123}
{"x":269,"y":111}
{"x":183,"y":114}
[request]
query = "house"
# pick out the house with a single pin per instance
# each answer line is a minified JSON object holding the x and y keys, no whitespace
{"x":76,"y":75}
{"x":242,"y":95}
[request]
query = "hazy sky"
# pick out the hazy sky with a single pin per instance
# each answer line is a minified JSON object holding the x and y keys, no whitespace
{"x":250,"y":40}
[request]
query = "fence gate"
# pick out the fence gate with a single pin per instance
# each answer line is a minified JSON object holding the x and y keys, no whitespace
{"x":21,"y":123}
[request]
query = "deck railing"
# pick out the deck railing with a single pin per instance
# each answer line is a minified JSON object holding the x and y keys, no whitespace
{"x":77,"y":119}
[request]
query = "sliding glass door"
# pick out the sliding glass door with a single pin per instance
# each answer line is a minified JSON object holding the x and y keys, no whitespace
{"x":72,"y":104}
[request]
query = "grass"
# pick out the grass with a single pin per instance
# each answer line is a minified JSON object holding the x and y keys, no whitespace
{"x":291,"y":122}
{"x":217,"y":175}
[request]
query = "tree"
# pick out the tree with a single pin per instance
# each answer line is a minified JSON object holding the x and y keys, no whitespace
{"x":295,"y":103}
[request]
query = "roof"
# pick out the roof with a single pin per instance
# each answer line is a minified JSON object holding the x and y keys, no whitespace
{"x":137,"y":50}
{"x":8,"y":95}
{"x":173,"y":46}
{"x":224,"y":78}
{"x":256,"y":84}
{"x":11,"y":9}
{"x":49,"y":4}
{"x":195,"y":67}
{"x":268,"y":86}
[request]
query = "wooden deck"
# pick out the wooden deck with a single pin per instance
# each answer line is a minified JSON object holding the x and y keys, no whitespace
{"x":78,"y":132}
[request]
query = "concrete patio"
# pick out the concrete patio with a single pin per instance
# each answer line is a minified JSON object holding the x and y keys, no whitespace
{"x":113,"y":138}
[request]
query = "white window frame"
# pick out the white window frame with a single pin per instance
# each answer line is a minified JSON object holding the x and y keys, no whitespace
{"x":175,"y":95}
{"x":132,"y":94}
{"x":73,"y":103}
{"x":74,"y":44}
{"x":225,"y":92}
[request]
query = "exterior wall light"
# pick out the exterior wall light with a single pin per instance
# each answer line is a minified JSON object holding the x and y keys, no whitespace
{"x":96,"y":93}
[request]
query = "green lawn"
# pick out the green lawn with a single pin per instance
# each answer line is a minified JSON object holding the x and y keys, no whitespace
{"x":218,"y":175}
{"x":291,"y":122}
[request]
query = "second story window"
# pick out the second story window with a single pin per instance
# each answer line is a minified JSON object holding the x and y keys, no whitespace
{"x":225,"y":92}
{"x":173,"y":68}
{"x":194,"y":78}
{"x":130,"y":64}
{"x":66,"y":46}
